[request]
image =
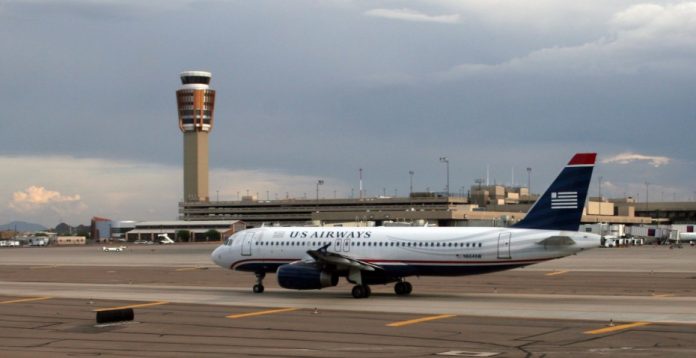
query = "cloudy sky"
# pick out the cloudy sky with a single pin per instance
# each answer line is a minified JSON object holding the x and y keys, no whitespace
{"x":311,"y":90}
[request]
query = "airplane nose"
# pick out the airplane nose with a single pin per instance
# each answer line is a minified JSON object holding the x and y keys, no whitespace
{"x":216,"y":256}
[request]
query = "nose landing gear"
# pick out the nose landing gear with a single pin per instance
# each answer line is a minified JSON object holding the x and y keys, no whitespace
{"x":258,"y":287}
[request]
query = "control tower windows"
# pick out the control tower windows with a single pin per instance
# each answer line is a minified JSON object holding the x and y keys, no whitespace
{"x":195,"y":80}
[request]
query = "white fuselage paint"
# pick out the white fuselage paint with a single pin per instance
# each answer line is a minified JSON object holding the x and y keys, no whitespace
{"x":454,"y":248}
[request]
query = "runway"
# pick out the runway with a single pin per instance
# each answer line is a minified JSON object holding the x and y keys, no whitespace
{"x":630,"y":302}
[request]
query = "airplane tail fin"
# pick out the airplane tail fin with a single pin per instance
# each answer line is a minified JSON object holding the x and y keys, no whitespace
{"x":561,"y":206}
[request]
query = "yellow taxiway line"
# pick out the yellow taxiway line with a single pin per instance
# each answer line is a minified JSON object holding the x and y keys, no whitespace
{"x":557,"y":273}
{"x":25,"y":300}
{"x":418,"y":320}
{"x":156,"y":303}
{"x":617,"y":328}
{"x":662,"y":295}
{"x":261,"y":313}
{"x":188,"y":269}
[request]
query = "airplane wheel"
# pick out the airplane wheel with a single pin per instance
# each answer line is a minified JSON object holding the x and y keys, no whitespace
{"x":358,"y":291}
{"x":408,"y":288}
{"x":400,"y":288}
{"x":258,"y":288}
{"x":361,"y":291}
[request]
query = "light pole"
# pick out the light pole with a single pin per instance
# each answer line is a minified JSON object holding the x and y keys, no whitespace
{"x":319,"y":182}
{"x":410,"y":173}
{"x":361,"y":184}
{"x":600,"y":187}
{"x":446,"y":161}
{"x":217,"y":195}
{"x":529,"y":180}
{"x":647,"y":185}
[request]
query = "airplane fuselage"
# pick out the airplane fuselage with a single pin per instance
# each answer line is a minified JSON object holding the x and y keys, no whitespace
{"x":403,"y":251}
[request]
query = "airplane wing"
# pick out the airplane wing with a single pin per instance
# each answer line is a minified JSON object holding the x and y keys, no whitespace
{"x":323,"y":256}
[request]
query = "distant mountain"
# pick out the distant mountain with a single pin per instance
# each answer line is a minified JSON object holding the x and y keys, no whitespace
{"x":65,"y":229}
{"x":22,"y":226}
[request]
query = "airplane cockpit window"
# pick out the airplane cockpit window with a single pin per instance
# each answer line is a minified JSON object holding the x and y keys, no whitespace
{"x":231,"y":239}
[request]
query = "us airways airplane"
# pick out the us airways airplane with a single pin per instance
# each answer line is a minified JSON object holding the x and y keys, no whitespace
{"x":306,"y":258}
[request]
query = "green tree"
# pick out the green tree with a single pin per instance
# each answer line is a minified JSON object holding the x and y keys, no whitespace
{"x":212,"y":235}
{"x":183,"y":235}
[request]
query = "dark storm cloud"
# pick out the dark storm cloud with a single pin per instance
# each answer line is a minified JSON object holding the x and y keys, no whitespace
{"x":322,"y":88}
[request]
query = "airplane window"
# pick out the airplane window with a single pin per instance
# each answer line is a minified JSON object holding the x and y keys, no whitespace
{"x":432,"y":244}
{"x":479,"y":244}
{"x":438,"y":244}
{"x":467,"y":244}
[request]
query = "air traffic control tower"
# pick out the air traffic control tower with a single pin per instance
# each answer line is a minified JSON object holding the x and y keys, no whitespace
{"x":196,"y":103}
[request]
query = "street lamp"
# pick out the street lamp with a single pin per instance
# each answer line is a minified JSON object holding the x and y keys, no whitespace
{"x":446,"y":161}
{"x":647,"y":185}
{"x":599,"y":183}
{"x":319,"y":182}
{"x":411,"y":172}
{"x":529,"y":180}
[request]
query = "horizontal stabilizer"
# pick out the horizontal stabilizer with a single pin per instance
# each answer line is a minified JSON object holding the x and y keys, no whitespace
{"x":557,"y":241}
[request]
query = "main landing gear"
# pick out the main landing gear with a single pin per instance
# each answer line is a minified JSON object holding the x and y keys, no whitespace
{"x":361,"y":291}
{"x":403,"y":288}
{"x":258,"y":287}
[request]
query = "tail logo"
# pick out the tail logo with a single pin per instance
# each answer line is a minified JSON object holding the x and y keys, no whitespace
{"x":564,"y":200}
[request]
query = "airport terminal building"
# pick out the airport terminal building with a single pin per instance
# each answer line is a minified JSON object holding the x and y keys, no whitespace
{"x":418,"y":209}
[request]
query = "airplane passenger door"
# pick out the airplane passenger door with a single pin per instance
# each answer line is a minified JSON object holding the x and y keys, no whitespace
{"x":346,"y":245}
{"x":246,"y":244}
{"x":504,"y":245}
{"x":337,"y":245}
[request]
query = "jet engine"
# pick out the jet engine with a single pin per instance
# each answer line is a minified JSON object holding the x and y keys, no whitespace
{"x":304,"y":276}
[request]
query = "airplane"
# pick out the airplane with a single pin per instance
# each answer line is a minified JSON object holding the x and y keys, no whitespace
{"x":164,"y":239}
{"x":305,"y":258}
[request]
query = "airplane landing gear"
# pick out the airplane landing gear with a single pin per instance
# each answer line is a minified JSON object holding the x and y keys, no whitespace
{"x":403,"y":288}
{"x":361,"y":291}
{"x":258,"y":287}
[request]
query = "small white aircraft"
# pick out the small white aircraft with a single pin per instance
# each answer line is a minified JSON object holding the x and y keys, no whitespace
{"x":164,"y":239}
{"x":306,"y":258}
